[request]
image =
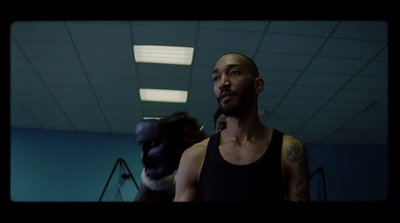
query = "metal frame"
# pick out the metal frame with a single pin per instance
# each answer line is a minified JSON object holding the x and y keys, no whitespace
{"x":321,"y":171}
{"x":121,"y":162}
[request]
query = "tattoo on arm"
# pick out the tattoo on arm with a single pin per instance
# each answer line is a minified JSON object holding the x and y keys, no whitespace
{"x":293,"y":154}
{"x":297,"y":155}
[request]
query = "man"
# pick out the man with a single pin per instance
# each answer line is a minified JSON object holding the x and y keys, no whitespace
{"x":219,"y":120}
{"x":247,"y":161}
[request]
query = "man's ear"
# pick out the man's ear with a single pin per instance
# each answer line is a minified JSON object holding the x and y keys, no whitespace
{"x":258,"y":85}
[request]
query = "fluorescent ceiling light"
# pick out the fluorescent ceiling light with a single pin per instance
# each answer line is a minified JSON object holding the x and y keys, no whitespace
{"x":163,"y":54}
{"x":147,"y":118}
{"x":162,"y":95}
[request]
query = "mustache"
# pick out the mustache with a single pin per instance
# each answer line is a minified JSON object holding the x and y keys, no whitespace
{"x":225,"y":92}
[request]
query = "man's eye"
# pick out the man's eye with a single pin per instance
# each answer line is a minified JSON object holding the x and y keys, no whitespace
{"x":235,"y":72}
{"x":216,"y":78}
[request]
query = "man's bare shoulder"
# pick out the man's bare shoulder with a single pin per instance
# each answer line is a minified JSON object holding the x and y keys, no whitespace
{"x":196,"y":151}
{"x":292,"y":148}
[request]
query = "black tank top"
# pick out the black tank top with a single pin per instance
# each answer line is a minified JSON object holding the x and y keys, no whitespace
{"x":259,"y":181}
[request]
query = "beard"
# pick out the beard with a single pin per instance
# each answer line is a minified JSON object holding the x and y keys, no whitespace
{"x":232,"y":110}
{"x":243,"y":101}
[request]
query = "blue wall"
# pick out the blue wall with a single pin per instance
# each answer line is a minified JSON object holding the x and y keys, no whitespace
{"x":70,"y":166}
{"x":352,"y":172}
{"x":74,"y":166}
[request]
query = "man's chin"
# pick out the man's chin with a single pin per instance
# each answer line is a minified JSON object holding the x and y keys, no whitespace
{"x":231,"y":110}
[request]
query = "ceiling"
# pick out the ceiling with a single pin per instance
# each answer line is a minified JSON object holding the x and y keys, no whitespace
{"x":326,"y":81}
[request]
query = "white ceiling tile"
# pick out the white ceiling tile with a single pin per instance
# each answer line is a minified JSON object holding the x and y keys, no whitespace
{"x":166,"y":23}
{"x":92,"y":126}
{"x":92,"y":109}
{"x":235,"y":25}
{"x":268,"y":103}
{"x":209,"y":103}
{"x":312,"y":92}
{"x":323,"y":79}
{"x":207,"y":58}
{"x":70,"y":90}
{"x":60,"y":66}
{"x":123,"y":125}
{"x":15,"y":50}
{"x":337,"y":114}
{"x":83,"y":117}
{"x":273,"y":77}
{"x":103,"y":32}
{"x":339,"y":139}
{"x":112,"y":81}
{"x":287,"y":124}
{"x":351,"y":48}
{"x":33,"y":93}
{"x":280,"y":43}
{"x":371,"y":83}
{"x":313,"y":133}
{"x":306,"y":103}
{"x":365,"y":124}
{"x":202,"y":87}
{"x":73,"y":103}
{"x":165,"y":83}
{"x":161,"y":35}
{"x":19,"y":116}
{"x":202,"y":74}
{"x":56,"y":122}
{"x":109,"y":67}
{"x":20,"y":77}
{"x":33,"y":99}
{"x":314,"y":28}
{"x":336,"y":65}
{"x":155,"y":109}
{"x":41,"y":111}
{"x":293,"y":112}
{"x":287,"y":129}
{"x":365,"y":30}
{"x":51,"y":78}
{"x":155,"y":71}
{"x":358,"y":95}
{"x":122,"y":93}
{"x":108,"y":96}
{"x":281,"y":61}
{"x":121,"y":110}
{"x":275,"y":89}
{"x":228,"y":40}
{"x":123,"y":52}
{"x":328,"y":124}
{"x":372,"y":116}
{"x":344,"y":105}
{"x":376,"y":68}
{"x":20,"y":64}
{"x":48,"y":49}
{"x":40,"y":31}
{"x":383,"y":55}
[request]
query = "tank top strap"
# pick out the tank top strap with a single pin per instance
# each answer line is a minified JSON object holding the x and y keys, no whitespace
{"x":213,"y":143}
{"x":276,"y":140}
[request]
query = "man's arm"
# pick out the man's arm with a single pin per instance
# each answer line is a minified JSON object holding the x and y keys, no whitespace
{"x":296,"y":170}
{"x":188,"y":173}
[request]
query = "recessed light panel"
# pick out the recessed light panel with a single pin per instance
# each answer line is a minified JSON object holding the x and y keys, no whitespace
{"x":163,"y":95}
{"x":177,"y":55}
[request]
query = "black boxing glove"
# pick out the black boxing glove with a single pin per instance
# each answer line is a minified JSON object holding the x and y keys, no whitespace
{"x":164,"y":140}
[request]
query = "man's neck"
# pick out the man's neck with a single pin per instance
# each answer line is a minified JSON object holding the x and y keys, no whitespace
{"x":244,"y":128}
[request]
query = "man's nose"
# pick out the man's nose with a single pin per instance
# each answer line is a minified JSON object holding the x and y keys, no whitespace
{"x":225,"y":81}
